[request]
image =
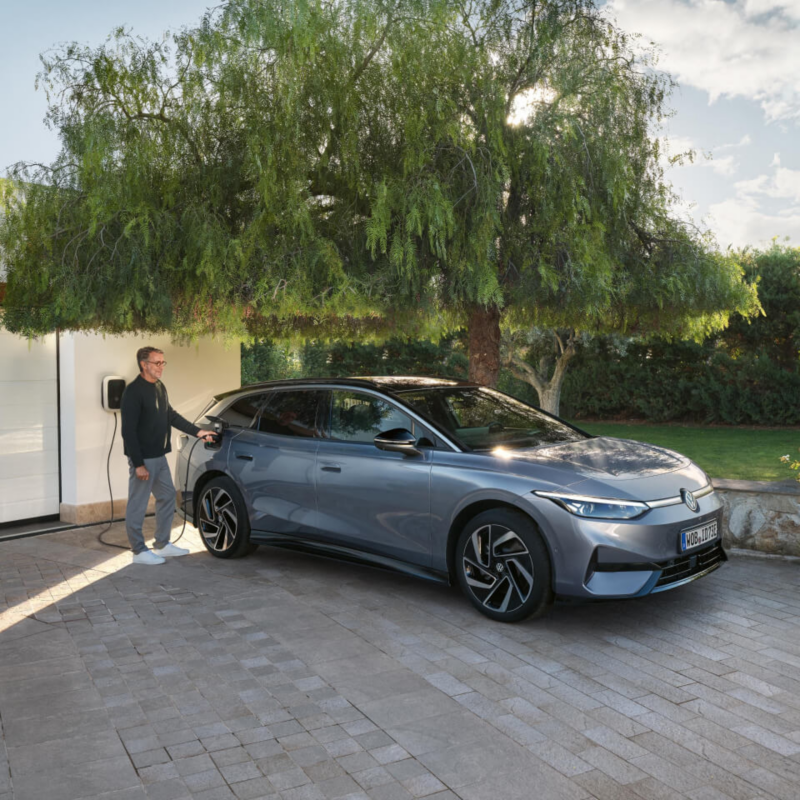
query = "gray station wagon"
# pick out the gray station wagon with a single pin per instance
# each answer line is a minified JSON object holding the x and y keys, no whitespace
{"x":449,"y":481}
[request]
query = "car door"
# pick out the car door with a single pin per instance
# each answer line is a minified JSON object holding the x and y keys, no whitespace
{"x":274,"y":462}
{"x":371,"y":499}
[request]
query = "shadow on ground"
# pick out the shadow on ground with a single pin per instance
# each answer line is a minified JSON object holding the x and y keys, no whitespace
{"x":289,"y":676}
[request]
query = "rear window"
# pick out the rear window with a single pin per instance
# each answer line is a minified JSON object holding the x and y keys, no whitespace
{"x":291,"y":412}
{"x":242,"y":412}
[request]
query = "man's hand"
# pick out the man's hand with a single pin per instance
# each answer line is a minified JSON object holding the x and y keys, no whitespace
{"x":142,"y":474}
{"x":208,"y":436}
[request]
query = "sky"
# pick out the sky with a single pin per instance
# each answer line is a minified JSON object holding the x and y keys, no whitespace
{"x":737,"y":105}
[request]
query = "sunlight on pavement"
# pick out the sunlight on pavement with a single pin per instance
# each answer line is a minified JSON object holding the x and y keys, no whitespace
{"x":22,"y":605}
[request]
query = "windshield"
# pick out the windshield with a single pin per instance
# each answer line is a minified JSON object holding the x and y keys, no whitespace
{"x":483,"y":419}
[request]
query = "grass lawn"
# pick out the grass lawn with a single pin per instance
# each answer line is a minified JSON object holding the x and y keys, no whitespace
{"x":744,"y":453}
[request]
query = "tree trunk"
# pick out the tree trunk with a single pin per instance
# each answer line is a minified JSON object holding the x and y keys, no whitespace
{"x":549,"y":391}
{"x":550,"y":396}
{"x":484,"y":345}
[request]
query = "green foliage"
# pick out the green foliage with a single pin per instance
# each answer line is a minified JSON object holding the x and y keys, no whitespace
{"x":776,"y":333}
{"x":264,"y":360}
{"x":308,"y":163}
{"x":793,"y":464}
{"x":679,"y":381}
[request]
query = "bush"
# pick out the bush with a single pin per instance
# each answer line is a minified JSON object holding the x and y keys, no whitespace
{"x":265,"y":360}
{"x":679,"y":381}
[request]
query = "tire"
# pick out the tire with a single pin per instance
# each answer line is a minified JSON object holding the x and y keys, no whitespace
{"x":503,"y":566}
{"x":222,"y":520}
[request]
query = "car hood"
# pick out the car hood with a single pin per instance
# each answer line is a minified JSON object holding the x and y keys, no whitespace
{"x":603,"y":464}
{"x":604,"y":457}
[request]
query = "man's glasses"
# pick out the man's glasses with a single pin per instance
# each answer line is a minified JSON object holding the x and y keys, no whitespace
{"x":158,"y":363}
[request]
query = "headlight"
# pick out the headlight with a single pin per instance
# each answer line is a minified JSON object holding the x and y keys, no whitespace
{"x":596,"y":507}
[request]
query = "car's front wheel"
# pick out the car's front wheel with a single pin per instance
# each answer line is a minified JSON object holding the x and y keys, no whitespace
{"x":222,"y":519}
{"x":503,"y":566}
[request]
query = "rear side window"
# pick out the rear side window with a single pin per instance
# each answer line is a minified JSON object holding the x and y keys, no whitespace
{"x":357,"y":417}
{"x":291,"y":413}
{"x":242,"y":412}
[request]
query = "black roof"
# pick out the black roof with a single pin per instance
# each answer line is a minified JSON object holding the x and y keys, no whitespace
{"x":386,"y":383}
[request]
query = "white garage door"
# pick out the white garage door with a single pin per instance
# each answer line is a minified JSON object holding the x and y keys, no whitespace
{"x":28,"y":428}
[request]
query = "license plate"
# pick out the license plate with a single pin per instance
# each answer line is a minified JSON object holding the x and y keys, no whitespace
{"x":696,"y":537}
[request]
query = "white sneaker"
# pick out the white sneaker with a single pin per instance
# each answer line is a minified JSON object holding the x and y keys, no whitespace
{"x":147,"y":557}
{"x":169,"y":550}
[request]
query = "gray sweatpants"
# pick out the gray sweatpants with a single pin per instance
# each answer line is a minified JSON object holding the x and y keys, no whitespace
{"x":160,"y":485}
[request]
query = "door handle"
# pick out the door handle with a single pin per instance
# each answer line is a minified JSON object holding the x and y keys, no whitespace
{"x":331,"y":467}
{"x":244,"y":456}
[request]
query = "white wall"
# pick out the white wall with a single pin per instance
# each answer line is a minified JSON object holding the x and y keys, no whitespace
{"x":28,"y":427}
{"x":193,"y":374}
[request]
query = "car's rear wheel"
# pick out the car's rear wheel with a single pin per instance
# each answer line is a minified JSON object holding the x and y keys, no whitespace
{"x":222,"y":519}
{"x":503,"y":566}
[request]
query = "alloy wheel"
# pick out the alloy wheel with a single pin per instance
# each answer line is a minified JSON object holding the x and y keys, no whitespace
{"x":218,"y":519}
{"x":498,"y":568}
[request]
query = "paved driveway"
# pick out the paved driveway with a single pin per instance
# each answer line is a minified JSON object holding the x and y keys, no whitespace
{"x":287,"y":676}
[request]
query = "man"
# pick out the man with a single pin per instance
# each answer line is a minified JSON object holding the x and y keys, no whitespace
{"x":146,"y":420}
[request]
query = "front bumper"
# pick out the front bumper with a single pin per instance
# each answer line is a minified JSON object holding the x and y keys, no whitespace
{"x":615,"y":580}
{"x":615,"y":559}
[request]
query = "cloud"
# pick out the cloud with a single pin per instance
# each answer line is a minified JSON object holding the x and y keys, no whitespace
{"x":743,"y":219}
{"x":672,"y":146}
{"x":743,"y":142}
{"x":722,"y":166}
{"x":744,"y":48}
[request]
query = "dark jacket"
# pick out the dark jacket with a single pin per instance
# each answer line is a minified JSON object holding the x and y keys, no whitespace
{"x":147,"y":418}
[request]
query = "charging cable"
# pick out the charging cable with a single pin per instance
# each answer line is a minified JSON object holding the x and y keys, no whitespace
{"x":110,"y":494}
{"x":186,"y":489}
{"x":111,"y":520}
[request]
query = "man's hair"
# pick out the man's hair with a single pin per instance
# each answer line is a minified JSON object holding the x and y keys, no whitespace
{"x":143,"y":354}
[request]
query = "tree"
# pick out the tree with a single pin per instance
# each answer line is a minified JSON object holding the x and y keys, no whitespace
{"x":300,"y":163}
{"x":777,"y":333}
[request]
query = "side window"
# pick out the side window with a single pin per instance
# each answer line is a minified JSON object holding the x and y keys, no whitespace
{"x":291,"y":413}
{"x":242,"y":413}
{"x":357,"y":417}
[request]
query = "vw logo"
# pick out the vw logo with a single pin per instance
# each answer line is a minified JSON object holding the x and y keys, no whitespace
{"x":689,"y":499}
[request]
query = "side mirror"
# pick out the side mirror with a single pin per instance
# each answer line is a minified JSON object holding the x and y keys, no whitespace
{"x":397,"y":440}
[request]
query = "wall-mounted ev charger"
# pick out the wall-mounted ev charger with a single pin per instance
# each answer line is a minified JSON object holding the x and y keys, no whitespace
{"x":111,"y":393}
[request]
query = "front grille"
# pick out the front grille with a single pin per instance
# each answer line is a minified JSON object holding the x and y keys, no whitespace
{"x":689,"y":564}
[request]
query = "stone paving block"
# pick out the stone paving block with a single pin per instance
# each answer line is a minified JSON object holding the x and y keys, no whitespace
{"x":55,"y":754}
{"x":255,"y":789}
{"x":305,"y":792}
{"x":186,"y":750}
{"x":289,"y":779}
{"x":341,"y":786}
{"x":234,"y":773}
{"x":323,"y":770}
{"x":390,"y":791}
{"x":77,"y":781}
{"x":215,"y":793}
{"x":274,"y":764}
{"x":149,"y":757}
{"x":621,"y":771}
{"x":669,"y":694}
{"x":223,"y":742}
{"x":36,"y":730}
{"x":560,"y":758}
{"x":194,"y":764}
{"x":158,"y":773}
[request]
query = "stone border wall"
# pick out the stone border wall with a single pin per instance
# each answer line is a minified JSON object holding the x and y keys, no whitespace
{"x":761,"y":515}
